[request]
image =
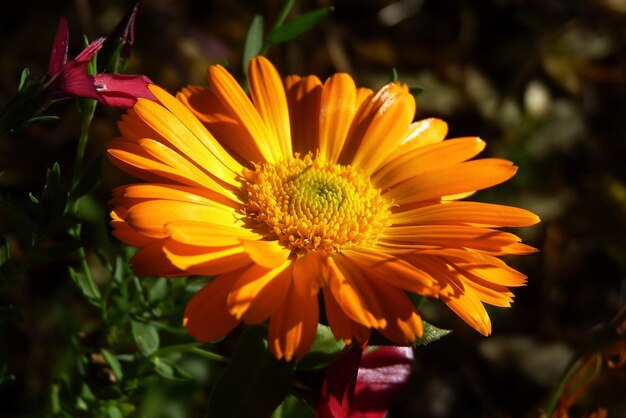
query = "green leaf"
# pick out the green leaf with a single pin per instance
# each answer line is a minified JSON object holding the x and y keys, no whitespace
{"x":164,"y":368}
{"x":59,"y":250}
{"x":87,"y":287}
{"x":24,"y":226}
{"x":254,"y":41}
{"x":23,"y":78}
{"x":431,"y":333}
{"x":416,"y":90}
{"x":393,"y":77}
{"x":322,"y":351}
{"x":89,"y":180}
{"x":261,"y":381}
{"x":43,"y":118}
{"x":293,"y":407}
{"x":295,"y":27}
{"x":116,"y":367}
{"x":146,"y":337}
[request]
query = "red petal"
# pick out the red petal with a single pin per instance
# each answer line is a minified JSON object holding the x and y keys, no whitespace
{"x":58,"y":56}
{"x":382,"y":376}
{"x":338,"y":387}
{"x":120,"y":90}
{"x":88,"y":53}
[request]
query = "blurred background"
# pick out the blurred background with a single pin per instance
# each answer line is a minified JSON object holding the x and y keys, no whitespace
{"x":542,"y":81}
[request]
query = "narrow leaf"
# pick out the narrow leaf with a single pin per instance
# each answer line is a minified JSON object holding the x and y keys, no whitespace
{"x":87,"y":287}
{"x":262,"y":382}
{"x":23,"y":78}
{"x":146,"y":337}
{"x":293,"y":407}
{"x":254,"y":41}
{"x":297,"y":26}
{"x":89,"y":180}
{"x":393,"y":77}
{"x":116,"y":367}
{"x":416,"y":90}
{"x":431,"y":333}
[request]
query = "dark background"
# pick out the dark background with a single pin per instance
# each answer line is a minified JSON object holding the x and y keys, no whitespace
{"x":543,"y":82}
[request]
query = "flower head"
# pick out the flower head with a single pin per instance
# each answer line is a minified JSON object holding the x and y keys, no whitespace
{"x":311,"y":188}
{"x":69,"y":77}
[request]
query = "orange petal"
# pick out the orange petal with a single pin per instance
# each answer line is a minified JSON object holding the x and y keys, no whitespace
{"x":395,"y":271}
{"x":268,"y":96}
{"x":260,"y":289}
{"x":235,"y":137}
{"x":269,"y":254}
{"x":303,"y":96}
{"x":458,"y":178}
{"x":420,"y":133}
{"x":203,"y":136}
{"x":337,"y":108}
{"x":239,"y":107}
{"x":293,"y":326}
{"x":206,"y":316}
{"x":427,"y":158}
{"x":451,"y":236}
{"x":341,"y":325}
{"x":151,"y":217}
{"x":206,"y":261}
{"x":469,"y":308}
{"x":132,"y":194}
{"x":355,"y":299}
{"x":152,"y":260}
{"x":207,"y":234}
{"x":404,"y":324}
{"x":309,"y":273}
{"x":379,"y":124}
{"x":124,"y":232}
{"x":184,"y":141}
{"x":487,"y":267}
{"x":474,"y":213}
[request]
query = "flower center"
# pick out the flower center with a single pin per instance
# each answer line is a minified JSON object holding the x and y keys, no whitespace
{"x":308,"y":204}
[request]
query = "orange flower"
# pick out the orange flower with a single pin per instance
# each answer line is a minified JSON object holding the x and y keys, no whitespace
{"x":311,"y":187}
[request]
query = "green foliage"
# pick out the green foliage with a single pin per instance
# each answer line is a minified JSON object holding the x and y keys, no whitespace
{"x":431,"y":333}
{"x":251,"y":370}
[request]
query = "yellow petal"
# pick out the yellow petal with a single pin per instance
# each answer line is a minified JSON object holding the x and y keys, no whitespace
{"x":293,"y":326}
{"x":458,"y":178}
{"x":268,"y":96}
{"x":479,"y":214}
{"x":239,"y":107}
{"x":303,"y":96}
{"x":206,"y":316}
{"x":427,"y":158}
{"x":337,"y":108}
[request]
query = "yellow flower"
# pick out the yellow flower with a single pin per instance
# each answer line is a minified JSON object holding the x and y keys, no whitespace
{"x":310,"y":187}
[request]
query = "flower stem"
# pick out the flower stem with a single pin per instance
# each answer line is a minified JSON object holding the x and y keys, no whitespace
{"x":87,"y":109}
{"x":555,"y":395}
